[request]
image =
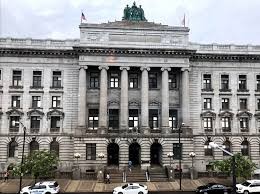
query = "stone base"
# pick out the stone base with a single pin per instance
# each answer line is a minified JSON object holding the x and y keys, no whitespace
{"x":102,"y":130}
{"x":193,"y":174}
{"x":145,"y":130}
{"x":76,"y":174}
{"x":100,"y":176}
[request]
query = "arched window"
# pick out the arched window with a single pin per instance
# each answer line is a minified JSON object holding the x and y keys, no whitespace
{"x":34,"y":146}
{"x":207,"y":149}
{"x":12,"y":148}
{"x":55,"y":147}
{"x":227,"y":146}
{"x":245,"y":148}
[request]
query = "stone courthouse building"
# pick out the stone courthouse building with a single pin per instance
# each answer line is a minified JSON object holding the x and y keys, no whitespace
{"x":125,"y":89}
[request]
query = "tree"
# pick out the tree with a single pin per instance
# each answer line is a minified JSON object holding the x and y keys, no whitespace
{"x":38,"y":164}
{"x":244,"y":166}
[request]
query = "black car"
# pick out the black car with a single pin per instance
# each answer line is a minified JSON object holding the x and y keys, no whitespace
{"x":213,"y":188}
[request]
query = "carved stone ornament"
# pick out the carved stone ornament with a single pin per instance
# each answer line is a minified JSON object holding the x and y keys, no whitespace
{"x":208,"y":114}
{"x":244,"y":114}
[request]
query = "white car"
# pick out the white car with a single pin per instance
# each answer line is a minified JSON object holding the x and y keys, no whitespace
{"x":46,"y":187}
{"x":249,"y":186}
{"x":131,"y":188}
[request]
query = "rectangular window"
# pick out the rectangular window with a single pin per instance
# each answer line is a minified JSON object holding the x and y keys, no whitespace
{"x":17,"y":78}
{"x":0,"y":74}
{"x":55,"y":122}
{"x":225,"y":124}
{"x":16,"y":100}
{"x":56,"y":101}
{"x":114,"y":80}
{"x":133,"y":118}
{"x":243,"y":104}
{"x":177,"y":151}
{"x":172,"y":81}
{"x":93,"y":118}
{"x":14,"y":122}
{"x":258,"y":82}
{"x":243,"y":122}
{"x":133,"y":80}
{"x":90,"y":151}
{"x":207,"y":82}
{"x":113,"y":118}
{"x":152,"y":80}
{"x":242,"y":82}
{"x":258,"y":104}
{"x":173,"y":119}
{"x":37,"y":78}
{"x":153,"y":118}
{"x":35,"y":122}
{"x":36,"y":102}
{"x":225,"y":82}
{"x":207,"y":103}
{"x":56,"y":79}
{"x":207,"y":123}
{"x":225,"y":103}
{"x":94,"y":80}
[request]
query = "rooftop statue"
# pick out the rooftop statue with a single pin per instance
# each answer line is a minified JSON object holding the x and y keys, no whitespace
{"x":134,"y":13}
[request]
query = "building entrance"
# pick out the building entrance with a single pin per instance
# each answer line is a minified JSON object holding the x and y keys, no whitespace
{"x":156,"y":154}
{"x":134,"y":154}
{"x":112,"y":154}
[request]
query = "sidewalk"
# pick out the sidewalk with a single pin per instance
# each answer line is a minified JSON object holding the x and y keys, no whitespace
{"x":12,"y":186}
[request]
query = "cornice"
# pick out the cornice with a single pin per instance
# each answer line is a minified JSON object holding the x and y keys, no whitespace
{"x":222,"y":57}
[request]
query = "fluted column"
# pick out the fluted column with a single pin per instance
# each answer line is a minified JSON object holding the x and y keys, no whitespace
{"x":124,"y":99}
{"x":165,"y":100}
{"x":82,"y":97}
{"x":185,"y":105}
{"x":145,"y":100}
{"x":102,"y":122}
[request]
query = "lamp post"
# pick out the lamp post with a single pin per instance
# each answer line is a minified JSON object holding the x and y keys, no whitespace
{"x":180,"y":156}
{"x":21,"y":173}
{"x":234,"y":181}
{"x":170,"y":155}
{"x":77,"y":156}
{"x":192,"y":155}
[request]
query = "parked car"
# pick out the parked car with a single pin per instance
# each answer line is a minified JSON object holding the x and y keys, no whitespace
{"x":45,"y":187}
{"x":131,"y":188}
{"x":213,"y":188}
{"x":249,"y":186}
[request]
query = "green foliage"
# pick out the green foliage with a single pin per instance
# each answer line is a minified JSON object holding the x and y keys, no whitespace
{"x":244,"y":166}
{"x":38,"y":164}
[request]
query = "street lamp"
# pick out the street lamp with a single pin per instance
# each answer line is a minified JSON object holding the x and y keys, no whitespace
{"x":192,"y":155}
{"x":77,"y":156}
{"x":180,"y":156}
{"x":214,"y":145}
{"x":170,"y":155}
{"x":21,"y":173}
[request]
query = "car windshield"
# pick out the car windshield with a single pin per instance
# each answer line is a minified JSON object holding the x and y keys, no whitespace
{"x":124,"y":186}
{"x":246,"y":183}
{"x":54,"y":185}
{"x":141,"y":185}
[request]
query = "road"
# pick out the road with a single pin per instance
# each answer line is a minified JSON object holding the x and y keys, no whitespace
{"x":150,"y":192}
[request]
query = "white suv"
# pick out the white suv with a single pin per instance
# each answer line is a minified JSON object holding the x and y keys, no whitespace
{"x":46,"y":187}
{"x":249,"y":186}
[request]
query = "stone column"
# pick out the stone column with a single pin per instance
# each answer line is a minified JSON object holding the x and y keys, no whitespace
{"x":124,"y":99}
{"x":82,"y":97}
{"x":165,"y":100}
{"x":145,"y":100}
{"x":102,"y":121}
{"x":185,"y":101}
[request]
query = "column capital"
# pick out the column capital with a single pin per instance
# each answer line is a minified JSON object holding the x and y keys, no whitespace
{"x":83,"y":67}
{"x":185,"y":69}
{"x":165,"y":69}
{"x":145,"y":68}
{"x":103,"y":67}
{"x":124,"y":67}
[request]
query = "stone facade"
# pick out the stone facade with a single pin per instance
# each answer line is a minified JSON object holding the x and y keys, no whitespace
{"x":124,"y":89}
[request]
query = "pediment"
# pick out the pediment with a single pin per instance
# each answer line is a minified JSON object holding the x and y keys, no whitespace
{"x":244,"y":114}
{"x":226,"y":114}
{"x":134,"y":102}
{"x":35,"y":111}
{"x":154,"y":103}
{"x":55,"y":112}
{"x":208,"y":114}
{"x":14,"y":112}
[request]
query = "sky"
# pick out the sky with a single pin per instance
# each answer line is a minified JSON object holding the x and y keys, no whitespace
{"x":210,"y":21}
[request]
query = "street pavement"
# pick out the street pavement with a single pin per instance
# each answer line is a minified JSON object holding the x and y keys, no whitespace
{"x":87,"y":186}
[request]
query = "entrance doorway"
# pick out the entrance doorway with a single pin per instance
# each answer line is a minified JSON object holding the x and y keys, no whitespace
{"x":156,"y":154}
{"x":134,"y":154}
{"x":112,"y":154}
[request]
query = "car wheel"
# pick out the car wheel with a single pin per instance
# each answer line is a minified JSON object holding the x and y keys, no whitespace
{"x":120,"y":193}
{"x":140,"y":192}
{"x":48,"y":193}
{"x":246,"y":192}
